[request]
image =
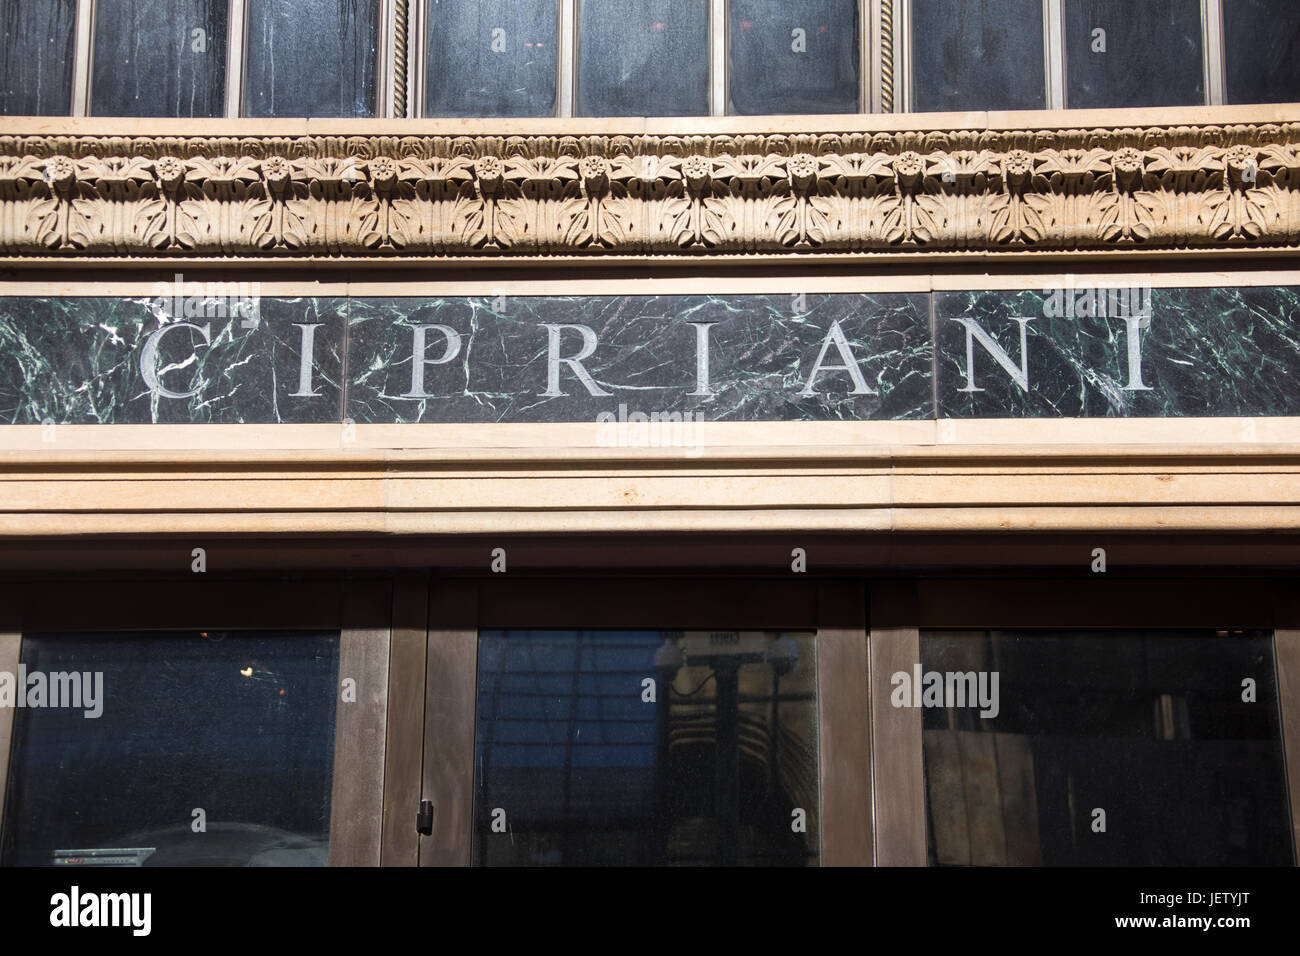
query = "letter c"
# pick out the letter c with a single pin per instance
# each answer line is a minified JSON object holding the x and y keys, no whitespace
{"x":149,"y":358}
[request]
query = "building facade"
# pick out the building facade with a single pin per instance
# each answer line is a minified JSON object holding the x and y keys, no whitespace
{"x":554,"y":432}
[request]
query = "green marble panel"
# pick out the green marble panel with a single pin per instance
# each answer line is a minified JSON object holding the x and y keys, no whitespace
{"x":762,"y":350}
{"x":1203,"y":352}
{"x":87,"y":361}
{"x":816,"y":357}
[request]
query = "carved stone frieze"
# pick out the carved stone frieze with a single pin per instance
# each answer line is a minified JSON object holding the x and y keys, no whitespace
{"x":360,"y":197}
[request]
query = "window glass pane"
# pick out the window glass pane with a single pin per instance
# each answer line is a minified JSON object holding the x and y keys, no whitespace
{"x":1121,"y":53}
{"x":492,"y":57}
{"x":238,"y":724}
{"x":1048,"y":735}
{"x":1261,"y":40}
{"x":793,"y":57}
{"x":36,"y":57}
{"x":576,"y":765}
{"x":159,"y":58}
{"x":643,"y":58}
{"x":312,"y":58}
{"x":977,"y":55}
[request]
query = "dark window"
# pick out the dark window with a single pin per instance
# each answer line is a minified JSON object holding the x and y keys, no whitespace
{"x":492,"y":57}
{"x":574,"y":765}
{"x":238,"y":725}
{"x":159,"y":58}
{"x":1261,"y":40}
{"x":36,"y":57}
{"x":643,"y":58}
{"x":794,"y":57}
{"x":1124,"y":54}
{"x":1154,"y":735}
{"x":312,"y":58}
{"x":978,"y":55}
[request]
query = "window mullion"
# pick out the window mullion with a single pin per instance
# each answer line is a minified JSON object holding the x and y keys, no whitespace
{"x":1054,"y":52}
{"x":82,"y":62}
{"x":718,"y":16}
{"x":235,"y":45}
{"x":386,"y":59}
{"x":568,"y":54}
{"x":1213,"y":62}
{"x":902,"y":37}
{"x":880,"y":39}
{"x":417,"y":56}
{"x":868,"y":50}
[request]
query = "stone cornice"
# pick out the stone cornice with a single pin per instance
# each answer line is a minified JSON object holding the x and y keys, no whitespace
{"x":287,"y":480}
{"x":813,"y":188}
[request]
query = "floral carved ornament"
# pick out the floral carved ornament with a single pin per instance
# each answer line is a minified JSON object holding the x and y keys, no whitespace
{"x":363,"y":197}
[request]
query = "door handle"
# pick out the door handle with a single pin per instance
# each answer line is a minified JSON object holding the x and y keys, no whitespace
{"x":424,"y":818}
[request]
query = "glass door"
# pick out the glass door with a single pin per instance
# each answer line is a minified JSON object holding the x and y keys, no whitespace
{"x":186,"y":724}
{"x":649,"y":723}
{"x":1080,"y":722}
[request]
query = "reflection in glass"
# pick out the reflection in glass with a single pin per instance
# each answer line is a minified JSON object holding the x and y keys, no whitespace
{"x":793,"y":57}
{"x":312,"y":58}
{"x":643,"y":58}
{"x":240,"y":724}
{"x":576,"y":765}
{"x":1261,"y":42}
{"x":159,"y":58}
{"x":1124,"y":54}
{"x":492,"y":57}
{"x":1148,"y":726}
{"x":978,"y":55}
{"x":36,"y":57}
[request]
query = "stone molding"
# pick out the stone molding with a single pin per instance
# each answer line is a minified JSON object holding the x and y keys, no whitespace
{"x":367,"y":197}
{"x":266,"y":485}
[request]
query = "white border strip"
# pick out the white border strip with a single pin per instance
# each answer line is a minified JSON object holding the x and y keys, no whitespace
{"x":839,"y":446}
{"x":777,"y":285}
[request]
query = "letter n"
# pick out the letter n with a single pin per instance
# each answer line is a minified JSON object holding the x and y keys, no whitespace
{"x":974,"y":333}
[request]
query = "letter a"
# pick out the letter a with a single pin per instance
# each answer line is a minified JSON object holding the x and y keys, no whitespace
{"x":901,"y":695}
{"x":836,"y":337}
